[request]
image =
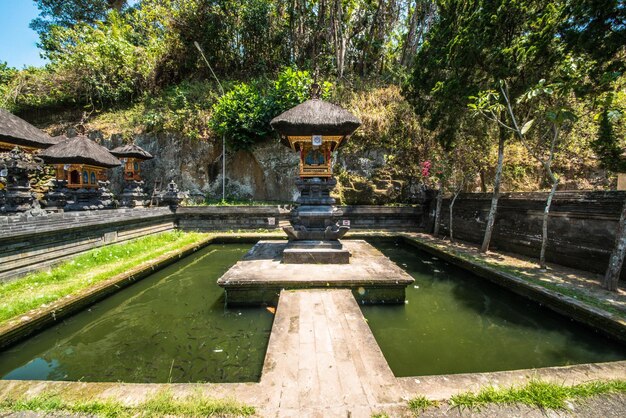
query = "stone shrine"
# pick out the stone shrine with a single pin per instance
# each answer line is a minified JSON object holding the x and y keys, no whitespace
{"x":315,"y":129}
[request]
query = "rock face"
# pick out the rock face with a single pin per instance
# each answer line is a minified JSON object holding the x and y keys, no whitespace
{"x":266,"y":173}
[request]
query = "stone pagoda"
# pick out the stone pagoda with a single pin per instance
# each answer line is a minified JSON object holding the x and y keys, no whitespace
{"x":81,"y":174}
{"x":315,"y":129}
{"x":132,"y":156}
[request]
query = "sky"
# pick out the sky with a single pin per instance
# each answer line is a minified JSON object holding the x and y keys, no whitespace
{"x":17,"y":41}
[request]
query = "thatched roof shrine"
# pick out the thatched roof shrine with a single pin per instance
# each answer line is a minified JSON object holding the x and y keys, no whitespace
{"x":131,"y":151}
{"x":79,"y":150}
{"x":16,"y":131}
{"x":315,"y":117}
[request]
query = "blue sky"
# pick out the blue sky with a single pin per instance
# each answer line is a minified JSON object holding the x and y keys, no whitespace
{"x":17,"y":41}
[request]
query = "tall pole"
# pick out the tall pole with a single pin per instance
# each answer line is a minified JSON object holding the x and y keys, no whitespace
{"x":223,"y":135}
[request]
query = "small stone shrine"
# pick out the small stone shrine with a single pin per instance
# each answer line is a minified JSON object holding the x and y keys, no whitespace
{"x":315,"y":129}
{"x":132,"y":156}
{"x":16,"y":167}
{"x":81,"y":174}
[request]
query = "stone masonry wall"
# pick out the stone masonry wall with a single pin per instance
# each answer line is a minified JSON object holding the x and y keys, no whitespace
{"x":32,"y":243}
{"x":210,"y":218}
{"x":29,"y":243}
{"x":581,"y":226}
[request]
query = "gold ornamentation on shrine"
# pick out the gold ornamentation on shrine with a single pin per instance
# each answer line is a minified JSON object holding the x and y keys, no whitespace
{"x":315,"y":160}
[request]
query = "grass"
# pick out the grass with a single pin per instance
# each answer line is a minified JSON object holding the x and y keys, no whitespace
{"x":163,"y":403}
{"x":420,"y":403}
{"x":240,"y":202}
{"x":41,"y":288}
{"x":518,"y":272}
{"x":536,"y":393}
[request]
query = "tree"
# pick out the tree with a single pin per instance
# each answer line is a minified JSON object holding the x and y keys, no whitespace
{"x":473,"y":45}
{"x":68,"y":13}
{"x":491,"y":104}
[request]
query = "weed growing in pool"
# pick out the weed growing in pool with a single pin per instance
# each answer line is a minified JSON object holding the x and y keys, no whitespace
{"x":38,"y":289}
{"x":163,"y":403}
{"x":537,"y":393}
{"x":421,"y":403}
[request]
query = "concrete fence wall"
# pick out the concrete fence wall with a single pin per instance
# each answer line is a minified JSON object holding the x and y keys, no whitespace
{"x":581,"y":228}
{"x":29,"y":243}
{"x":211,"y":218}
{"x":581,"y":225}
{"x":224,"y":218}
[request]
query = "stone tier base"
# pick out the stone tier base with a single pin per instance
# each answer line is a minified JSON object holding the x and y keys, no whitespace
{"x":315,"y":252}
{"x":260,"y":276}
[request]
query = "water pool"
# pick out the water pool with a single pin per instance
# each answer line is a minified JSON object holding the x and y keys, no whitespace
{"x":169,"y":327}
{"x":456,"y":322}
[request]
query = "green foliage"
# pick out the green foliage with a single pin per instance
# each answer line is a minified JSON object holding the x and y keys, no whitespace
{"x":243,"y":113}
{"x":68,"y":13}
{"x":163,"y":403}
{"x":606,"y":145}
{"x":537,"y":393}
{"x":240,"y":116}
{"x":104,"y":61}
{"x":7,"y":74}
{"x":595,"y":31}
{"x":183,"y":108}
{"x":291,"y":88}
{"x":472,"y":46}
{"x":421,"y":403}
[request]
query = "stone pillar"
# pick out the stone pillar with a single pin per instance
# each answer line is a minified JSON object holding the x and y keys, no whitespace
{"x":172,"y":196}
{"x":57,"y":195}
{"x":133,"y":195}
{"x":314,"y":216}
{"x":18,"y":196}
{"x":105,"y":199}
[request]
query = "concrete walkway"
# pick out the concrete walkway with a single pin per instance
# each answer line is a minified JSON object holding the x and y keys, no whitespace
{"x":322,"y":359}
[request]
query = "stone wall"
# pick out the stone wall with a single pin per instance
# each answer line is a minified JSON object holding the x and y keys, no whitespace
{"x":581,"y":226}
{"x":224,"y":218}
{"x":210,"y":218}
{"x":29,"y":243}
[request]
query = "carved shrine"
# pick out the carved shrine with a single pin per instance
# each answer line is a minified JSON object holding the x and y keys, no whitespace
{"x":315,"y":129}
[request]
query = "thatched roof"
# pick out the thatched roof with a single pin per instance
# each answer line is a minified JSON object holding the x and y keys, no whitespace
{"x":79,"y":150}
{"x":131,"y":151}
{"x":15,"y":130}
{"x":315,"y":117}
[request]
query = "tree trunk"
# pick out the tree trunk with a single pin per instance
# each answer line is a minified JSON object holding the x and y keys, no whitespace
{"x":438,"y":208}
{"x":339,"y":37}
{"x":407,"y":56}
{"x":496,"y":190}
{"x":451,"y":212}
{"x":611,"y":278}
{"x":546,"y":212}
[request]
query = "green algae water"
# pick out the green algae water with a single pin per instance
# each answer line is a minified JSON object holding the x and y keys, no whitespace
{"x":456,"y":322}
{"x":169,"y":327}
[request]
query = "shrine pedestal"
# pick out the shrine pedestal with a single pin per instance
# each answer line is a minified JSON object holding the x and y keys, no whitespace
{"x":316,"y":252}
{"x":262,"y":273}
{"x":315,"y":232}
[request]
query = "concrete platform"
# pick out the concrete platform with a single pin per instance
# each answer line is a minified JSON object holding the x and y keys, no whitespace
{"x":260,"y":276}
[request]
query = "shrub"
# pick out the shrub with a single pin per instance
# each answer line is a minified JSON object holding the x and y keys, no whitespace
{"x":244,"y":113}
